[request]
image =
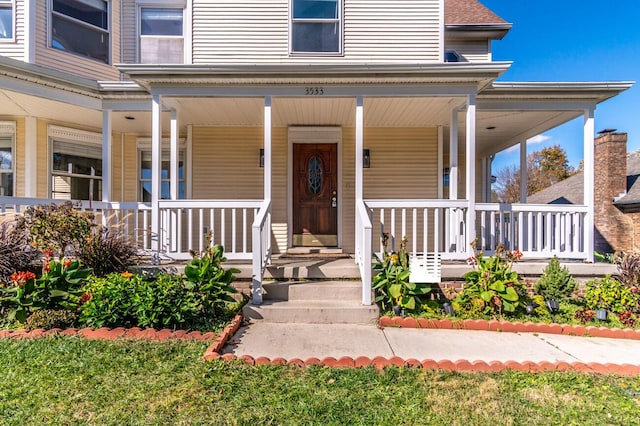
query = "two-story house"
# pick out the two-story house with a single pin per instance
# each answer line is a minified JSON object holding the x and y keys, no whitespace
{"x":273,"y":124}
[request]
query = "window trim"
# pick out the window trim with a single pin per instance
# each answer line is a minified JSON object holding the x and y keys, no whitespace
{"x":73,"y":136}
{"x":185,"y":5}
{"x":144,"y":144}
{"x":339,"y":20}
{"x":12,"y":6}
{"x":108,"y":31}
{"x":8,"y":131}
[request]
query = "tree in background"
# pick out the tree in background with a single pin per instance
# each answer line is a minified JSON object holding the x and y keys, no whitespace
{"x":544,"y":168}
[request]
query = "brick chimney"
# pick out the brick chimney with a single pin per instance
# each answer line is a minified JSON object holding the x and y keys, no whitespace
{"x":613,"y":229}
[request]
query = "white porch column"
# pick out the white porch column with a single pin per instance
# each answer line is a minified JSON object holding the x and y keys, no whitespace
{"x":267,"y":147}
{"x":470,"y":182}
{"x":174,"y":156}
{"x":30,"y":152}
{"x":523,"y":171}
{"x":453,"y":155}
{"x":107,"y":143}
{"x":440,"y":161}
{"x":359,"y":147}
{"x":156,"y":172}
{"x":589,"y":182}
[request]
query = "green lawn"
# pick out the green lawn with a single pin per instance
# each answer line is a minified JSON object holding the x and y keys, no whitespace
{"x":66,"y":380}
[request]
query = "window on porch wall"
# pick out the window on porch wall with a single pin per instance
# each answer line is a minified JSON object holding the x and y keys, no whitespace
{"x":6,"y":167}
{"x":81,"y":27}
{"x":161,"y":35}
{"x":76,"y":172}
{"x":6,"y":19}
{"x":316,"y":26}
{"x":146,"y":174}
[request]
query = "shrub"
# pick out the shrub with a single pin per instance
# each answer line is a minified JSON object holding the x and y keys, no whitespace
{"x":629,"y":270}
{"x":556,"y":283}
{"x":50,"y":318}
{"x":609,"y":293}
{"x":166,"y":301}
{"x":57,"y":227}
{"x":59,"y":287}
{"x":106,"y":251}
{"x":16,"y":254}
{"x":391,"y":283}
{"x":492,"y":287}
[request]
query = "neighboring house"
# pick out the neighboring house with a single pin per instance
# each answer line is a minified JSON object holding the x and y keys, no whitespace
{"x":281,"y":123}
{"x":617,"y":194}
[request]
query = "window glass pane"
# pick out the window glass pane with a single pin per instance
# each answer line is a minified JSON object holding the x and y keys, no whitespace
{"x":161,"y":22}
{"x":165,"y":187}
{"x":316,"y":37}
{"x":6,"y":156}
{"x":6,"y":21}
{"x":73,"y":37}
{"x":6,"y":184}
{"x":315,"y":9}
{"x":92,"y":12}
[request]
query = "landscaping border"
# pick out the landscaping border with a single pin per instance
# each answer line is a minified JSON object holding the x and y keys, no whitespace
{"x":110,"y":334}
{"x":510,"y":327}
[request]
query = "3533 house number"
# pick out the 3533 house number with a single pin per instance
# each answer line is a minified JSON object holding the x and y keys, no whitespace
{"x":314,"y":91}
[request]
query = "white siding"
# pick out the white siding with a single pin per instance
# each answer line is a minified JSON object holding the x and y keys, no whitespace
{"x":16,"y":48}
{"x":227,"y":31}
{"x":471,"y":51}
{"x":75,"y":64}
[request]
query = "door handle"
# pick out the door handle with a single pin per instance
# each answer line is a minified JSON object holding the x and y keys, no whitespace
{"x":334,"y":200}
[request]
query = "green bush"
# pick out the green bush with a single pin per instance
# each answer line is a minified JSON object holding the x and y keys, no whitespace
{"x":50,"y":318}
{"x":57,"y":227}
{"x":16,"y":254}
{"x":492,"y":288}
{"x":59,"y":287}
{"x":165,"y":301}
{"x":556,"y":283}
{"x":106,"y":251}
{"x":391,"y":283}
{"x":609,"y":293}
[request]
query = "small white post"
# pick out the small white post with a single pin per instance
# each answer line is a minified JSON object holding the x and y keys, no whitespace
{"x":523,"y":171}
{"x":156,"y":173}
{"x":470,"y":184}
{"x":589,"y":182}
{"x":106,"y":155}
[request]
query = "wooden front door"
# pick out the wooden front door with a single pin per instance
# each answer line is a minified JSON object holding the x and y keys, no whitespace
{"x":315,"y":194}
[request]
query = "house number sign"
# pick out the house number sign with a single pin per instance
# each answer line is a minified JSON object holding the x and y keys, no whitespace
{"x":314,"y":91}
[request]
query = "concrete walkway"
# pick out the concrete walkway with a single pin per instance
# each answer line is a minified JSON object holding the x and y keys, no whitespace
{"x":289,"y":341}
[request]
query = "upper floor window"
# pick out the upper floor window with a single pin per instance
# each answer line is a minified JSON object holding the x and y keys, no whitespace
{"x":161,"y":35}
{"x":316,"y":26}
{"x":6,"y":19}
{"x":81,"y":27}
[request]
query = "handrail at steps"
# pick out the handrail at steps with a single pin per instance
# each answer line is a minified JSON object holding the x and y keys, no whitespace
{"x":261,"y":240}
{"x":363,"y":249}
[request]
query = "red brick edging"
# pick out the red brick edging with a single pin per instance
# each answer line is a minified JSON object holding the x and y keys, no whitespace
{"x":512,"y":327}
{"x":109,"y":334}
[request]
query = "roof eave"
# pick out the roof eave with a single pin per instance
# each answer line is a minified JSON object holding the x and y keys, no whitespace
{"x":475,"y":31}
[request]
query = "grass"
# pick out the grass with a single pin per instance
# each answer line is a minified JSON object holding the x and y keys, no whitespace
{"x":67,"y":380}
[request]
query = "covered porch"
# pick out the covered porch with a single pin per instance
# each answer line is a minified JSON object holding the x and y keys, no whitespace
{"x":427,"y":134}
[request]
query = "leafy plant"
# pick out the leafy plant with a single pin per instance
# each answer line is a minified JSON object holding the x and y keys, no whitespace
{"x":627,"y":318}
{"x":16,"y":254}
{"x":59,"y":287}
{"x":207,"y":277}
{"x":57,"y":227}
{"x":391,"y":283}
{"x":556,"y":282}
{"x":106,"y":251}
{"x":609,"y":293}
{"x":629,"y":270}
{"x":585,"y":315}
{"x":108,"y":301}
{"x":492,"y":285}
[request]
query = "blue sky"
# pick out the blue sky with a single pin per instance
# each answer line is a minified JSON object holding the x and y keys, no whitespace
{"x":574,"y":40}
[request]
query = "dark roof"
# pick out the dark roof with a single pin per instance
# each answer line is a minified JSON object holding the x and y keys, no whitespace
{"x":469,"y":12}
{"x":571,"y":190}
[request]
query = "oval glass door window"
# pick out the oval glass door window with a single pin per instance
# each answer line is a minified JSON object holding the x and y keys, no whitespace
{"x":314,"y":178}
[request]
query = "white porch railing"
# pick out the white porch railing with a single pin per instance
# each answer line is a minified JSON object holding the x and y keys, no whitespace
{"x":364,"y":249}
{"x":537,"y":230}
{"x":261,"y":249}
{"x":430,"y":225}
{"x":184,"y":223}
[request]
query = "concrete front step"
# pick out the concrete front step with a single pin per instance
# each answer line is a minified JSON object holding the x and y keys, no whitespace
{"x":312,"y":312}
{"x":313,"y":290}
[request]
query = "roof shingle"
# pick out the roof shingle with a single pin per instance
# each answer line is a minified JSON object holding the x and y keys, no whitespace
{"x":469,"y":12}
